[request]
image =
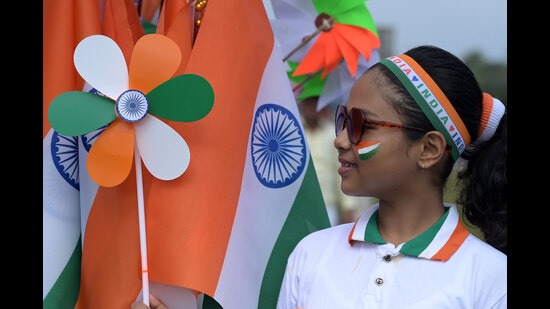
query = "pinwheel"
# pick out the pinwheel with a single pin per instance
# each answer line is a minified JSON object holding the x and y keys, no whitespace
{"x":334,"y":89}
{"x":131,"y":96}
{"x":130,"y":101}
{"x":321,"y":36}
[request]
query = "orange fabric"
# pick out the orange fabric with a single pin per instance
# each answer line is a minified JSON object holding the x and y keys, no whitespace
{"x":65,"y":24}
{"x":189,"y":219}
{"x":111,"y":264}
{"x":121,"y":23}
{"x":176,"y":22}
{"x":149,"y":9}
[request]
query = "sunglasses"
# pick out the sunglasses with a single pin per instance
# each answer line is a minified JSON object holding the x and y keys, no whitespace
{"x":355,"y":122}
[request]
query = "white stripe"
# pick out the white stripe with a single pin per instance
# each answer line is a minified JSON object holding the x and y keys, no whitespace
{"x":368,"y":148}
{"x":361,"y":224}
{"x":262,"y":211}
{"x":60,"y":219}
{"x":88,"y":189}
{"x":496,"y":114}
{"x":443,"y":235}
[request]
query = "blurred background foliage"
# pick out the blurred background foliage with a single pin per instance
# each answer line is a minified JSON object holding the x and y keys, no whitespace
{"x":492,"y":76}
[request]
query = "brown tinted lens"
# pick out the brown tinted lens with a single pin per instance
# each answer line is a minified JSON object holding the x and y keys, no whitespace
{"x":355,"y":125}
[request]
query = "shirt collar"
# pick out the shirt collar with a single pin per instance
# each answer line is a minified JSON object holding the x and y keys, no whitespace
{"x":439,"y":242}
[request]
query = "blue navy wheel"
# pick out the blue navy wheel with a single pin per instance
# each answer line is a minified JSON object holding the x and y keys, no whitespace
{"x":278,"y":146}
{"x":132,"y":105}
{"x":64,"y":150}
{"x":89,"y":138}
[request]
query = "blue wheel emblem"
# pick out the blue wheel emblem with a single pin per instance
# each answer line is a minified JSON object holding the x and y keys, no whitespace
{"x":89,"y":138}
{"x":278,"y":146}
{"x":132,"y":105}
{"x":64,"y":150}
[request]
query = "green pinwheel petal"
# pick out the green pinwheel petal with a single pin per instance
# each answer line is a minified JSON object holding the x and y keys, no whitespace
{"x":313,"y":87}
{"x":349,"y":12}
{"x":76,"y":113}
{"x":186,"y":97}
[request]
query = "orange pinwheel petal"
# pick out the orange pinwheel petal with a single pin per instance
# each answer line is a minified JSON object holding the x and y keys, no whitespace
{"x":341,"y":42}
{"x":362,"y":40}
{"x":110,"y":159}
{"x":154,"y":60}
{"x":348,"y":51}
{"x":333,"y":54}
{"x":174,"y":23}
{"x":322,"y":53}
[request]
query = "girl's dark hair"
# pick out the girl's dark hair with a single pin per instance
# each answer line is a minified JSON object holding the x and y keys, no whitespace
{"x":481,"y":174}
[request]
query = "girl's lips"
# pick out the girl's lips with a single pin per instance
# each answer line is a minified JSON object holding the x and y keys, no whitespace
{"x":345,"y":166}
{"x":342,"y":170}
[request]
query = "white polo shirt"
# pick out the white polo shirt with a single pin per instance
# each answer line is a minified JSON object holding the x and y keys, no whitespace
{"x":351,"y":266}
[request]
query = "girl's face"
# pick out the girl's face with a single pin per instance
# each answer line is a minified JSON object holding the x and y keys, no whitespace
{"x":380,"y":164}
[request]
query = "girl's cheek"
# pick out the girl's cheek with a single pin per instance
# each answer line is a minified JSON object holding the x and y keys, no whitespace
{"x":367,"y":149}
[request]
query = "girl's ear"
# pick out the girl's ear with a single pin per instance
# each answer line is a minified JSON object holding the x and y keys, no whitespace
{"x":433,"y":147}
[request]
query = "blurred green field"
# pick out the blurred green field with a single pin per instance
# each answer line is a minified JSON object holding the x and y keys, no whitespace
{"x":450,"y":194}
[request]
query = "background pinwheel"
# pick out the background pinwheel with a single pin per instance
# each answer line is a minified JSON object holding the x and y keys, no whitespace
{"x":334,"y":88}
{"x":131,"y":96}
{"x":326,"y":43}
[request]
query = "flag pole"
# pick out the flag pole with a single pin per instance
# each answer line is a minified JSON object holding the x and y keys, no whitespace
{"x":142,"y":232}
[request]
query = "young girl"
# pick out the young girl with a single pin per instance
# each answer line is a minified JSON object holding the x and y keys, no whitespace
{"x":408,"y":120}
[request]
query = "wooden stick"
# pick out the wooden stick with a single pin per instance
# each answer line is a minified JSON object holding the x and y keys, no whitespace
{"x":325,"y":26}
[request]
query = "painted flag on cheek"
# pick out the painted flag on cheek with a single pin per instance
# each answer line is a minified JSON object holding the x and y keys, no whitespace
{"x":367,"y":149}
{"x":227,"y":225}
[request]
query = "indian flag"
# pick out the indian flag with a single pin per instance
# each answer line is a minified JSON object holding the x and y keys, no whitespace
{"x":65,"y":23}
{"x":68,"y":192}
{"x":227,"y":225}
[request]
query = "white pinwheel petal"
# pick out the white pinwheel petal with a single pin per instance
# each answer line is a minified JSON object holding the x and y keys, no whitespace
{"x":290,"y":34}
{"x":100,"y":62}
{"x":163,"y":151}
{"x":293,"y":21}
{"x":340,"y":81}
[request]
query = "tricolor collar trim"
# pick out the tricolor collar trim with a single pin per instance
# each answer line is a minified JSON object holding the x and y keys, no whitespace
{"x":439,"y":242}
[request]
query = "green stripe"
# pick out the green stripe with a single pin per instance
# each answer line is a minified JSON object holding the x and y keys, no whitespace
{"x":418,"y":244}
{"x":419,"y":99}
{"x":308,"y":214}
{"x":64,"y":292}
{"x":371,"y":230}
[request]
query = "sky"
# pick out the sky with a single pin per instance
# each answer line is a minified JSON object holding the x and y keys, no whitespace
{"x":459,"y":26}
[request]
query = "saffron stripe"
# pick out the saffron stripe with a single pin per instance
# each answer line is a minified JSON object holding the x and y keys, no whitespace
{"x":457,"y":238}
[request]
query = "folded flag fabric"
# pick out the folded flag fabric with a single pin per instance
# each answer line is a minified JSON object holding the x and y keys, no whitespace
{"x":227,"y":225}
